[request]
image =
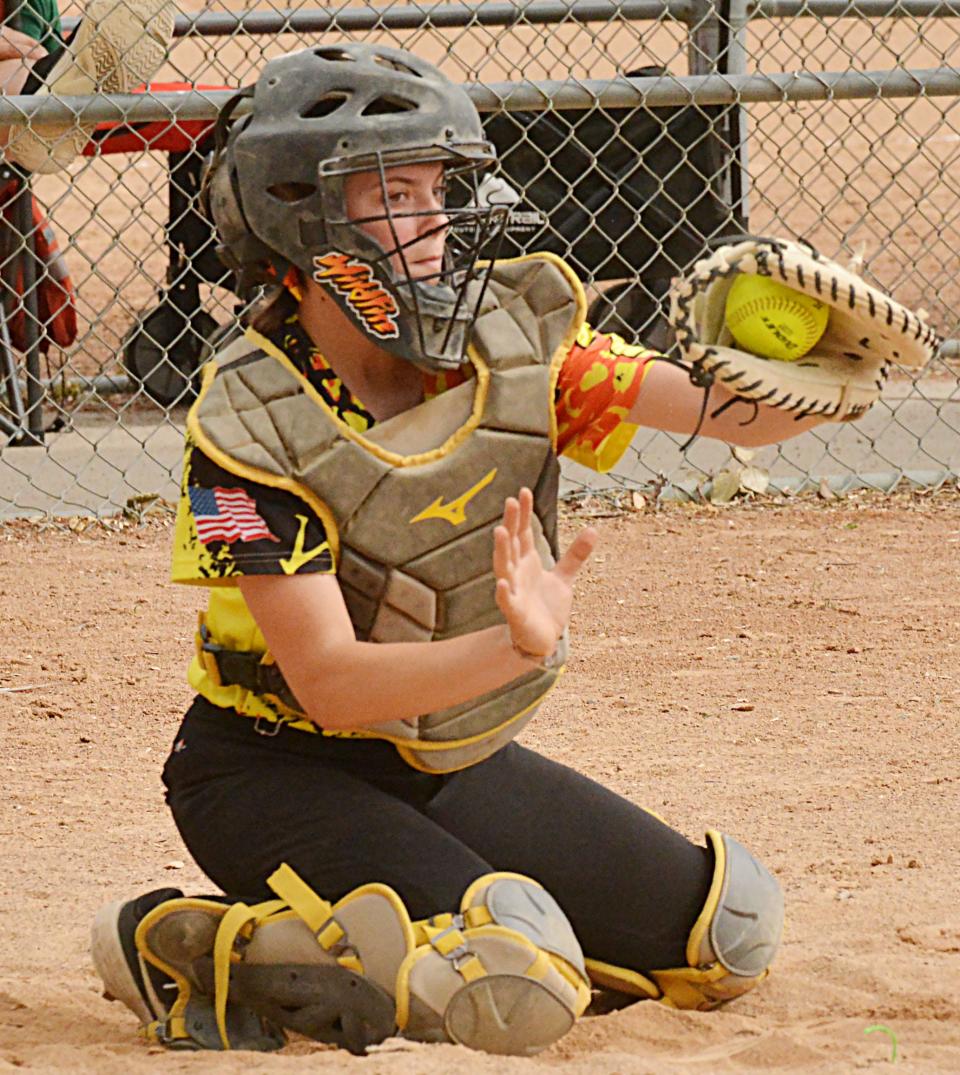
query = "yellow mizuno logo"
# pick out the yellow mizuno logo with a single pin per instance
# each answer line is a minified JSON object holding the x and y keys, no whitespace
{"x":455,"y":512}
{"x":298,"y":557}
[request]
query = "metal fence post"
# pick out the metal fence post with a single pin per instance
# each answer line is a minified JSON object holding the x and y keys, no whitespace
{"x":21,"y":252}
{"x":717,"y":46}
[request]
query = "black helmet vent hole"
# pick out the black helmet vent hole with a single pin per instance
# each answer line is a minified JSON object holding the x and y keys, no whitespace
{"x":334,"y":55}
{"x":290,"y":193}
{"x":386,"y":106}
{"x":394,"y":64}
{"x":324,"y":106}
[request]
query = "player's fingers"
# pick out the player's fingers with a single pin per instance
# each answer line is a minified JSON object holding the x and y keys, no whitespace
{"x":509,"y":604}
{"x":525,"y":505}
{"x":525,"y":522}
{"x":516,"y":548}
{"x":504,"y":602}
{"x":578,"y":553}
{"x":502,"y":558}
{"x":511,"y":514}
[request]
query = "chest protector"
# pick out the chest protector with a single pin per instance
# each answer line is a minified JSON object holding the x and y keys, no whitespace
{"x":410,"y":505}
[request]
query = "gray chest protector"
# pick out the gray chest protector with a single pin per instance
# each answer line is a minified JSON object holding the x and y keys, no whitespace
{"x":410,"y":505}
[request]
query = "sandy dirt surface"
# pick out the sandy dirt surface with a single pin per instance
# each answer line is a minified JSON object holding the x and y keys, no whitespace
{"x":785,"y":673}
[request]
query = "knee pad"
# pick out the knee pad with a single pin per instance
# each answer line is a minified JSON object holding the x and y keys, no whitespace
{"x":504,"y":974}
{"x":731,"y":945}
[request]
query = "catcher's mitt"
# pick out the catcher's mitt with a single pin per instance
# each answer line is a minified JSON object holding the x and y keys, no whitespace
{"x":842,"y":376}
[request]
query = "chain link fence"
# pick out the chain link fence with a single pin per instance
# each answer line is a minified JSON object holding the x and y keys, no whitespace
{"x":630,"y":134}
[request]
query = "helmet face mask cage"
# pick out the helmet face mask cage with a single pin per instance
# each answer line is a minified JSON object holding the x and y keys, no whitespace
{"x":325,"y":113}
{"x":438,"y":309}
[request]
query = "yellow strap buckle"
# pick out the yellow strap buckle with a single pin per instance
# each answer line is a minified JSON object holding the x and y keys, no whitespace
{"x":450,"y":943}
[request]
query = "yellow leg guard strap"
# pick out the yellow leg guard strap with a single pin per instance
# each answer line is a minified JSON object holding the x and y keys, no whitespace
{"x":695,"y":989}
{"x":607,"y":976}
{"x":238,"y":916}
{"x":290,"y":887}
{"x":452,"y":945}
{"x":504,"y":975}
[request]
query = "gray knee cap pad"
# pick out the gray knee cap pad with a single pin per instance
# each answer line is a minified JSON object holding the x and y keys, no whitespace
{"x":747,"y":924}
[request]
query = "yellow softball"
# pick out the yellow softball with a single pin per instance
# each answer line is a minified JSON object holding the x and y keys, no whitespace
{"x":773,"y":320}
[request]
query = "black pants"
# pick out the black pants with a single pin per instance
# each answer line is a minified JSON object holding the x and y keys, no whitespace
{"x":346,"y":812}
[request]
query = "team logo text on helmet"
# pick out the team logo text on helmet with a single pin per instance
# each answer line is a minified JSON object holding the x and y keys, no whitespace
{"x":355,"y":283}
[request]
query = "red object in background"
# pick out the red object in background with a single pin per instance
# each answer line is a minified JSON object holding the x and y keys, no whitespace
{"x":56,"y":299}
{"x":167,"y":135}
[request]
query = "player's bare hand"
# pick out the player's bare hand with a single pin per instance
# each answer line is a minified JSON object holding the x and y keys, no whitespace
{"x":535,"y":601}
{"x":15,"y":45}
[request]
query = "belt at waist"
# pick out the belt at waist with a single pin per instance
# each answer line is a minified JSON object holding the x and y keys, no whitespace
{"x":237,"y":740}
{"x":244,"y":668}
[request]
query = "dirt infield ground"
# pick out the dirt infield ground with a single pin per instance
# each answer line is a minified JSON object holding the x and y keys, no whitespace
{"x":782,"y":672}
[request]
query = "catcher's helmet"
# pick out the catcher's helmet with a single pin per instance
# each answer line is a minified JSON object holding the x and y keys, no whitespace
{"x":275,"y":189}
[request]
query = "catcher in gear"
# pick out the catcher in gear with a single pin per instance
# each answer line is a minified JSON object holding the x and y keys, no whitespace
{"x":369,"y":497}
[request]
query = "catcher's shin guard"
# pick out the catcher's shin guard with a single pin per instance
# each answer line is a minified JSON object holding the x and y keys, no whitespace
{"x":245,"y":974}
{"x":731,"y":945}
{"x":504,"y":974}
{"x":168,"y":1013}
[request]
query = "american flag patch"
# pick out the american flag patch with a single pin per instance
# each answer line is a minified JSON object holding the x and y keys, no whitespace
{"x":227,"y":515}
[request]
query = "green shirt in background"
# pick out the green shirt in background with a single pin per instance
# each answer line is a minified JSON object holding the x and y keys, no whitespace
{"x":40,"y":19}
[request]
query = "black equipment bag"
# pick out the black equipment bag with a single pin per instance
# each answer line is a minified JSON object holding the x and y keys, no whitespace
{"x":616,"y":191}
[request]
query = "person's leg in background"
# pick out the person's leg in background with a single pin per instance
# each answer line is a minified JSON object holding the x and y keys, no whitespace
{"x":117,"y":46}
